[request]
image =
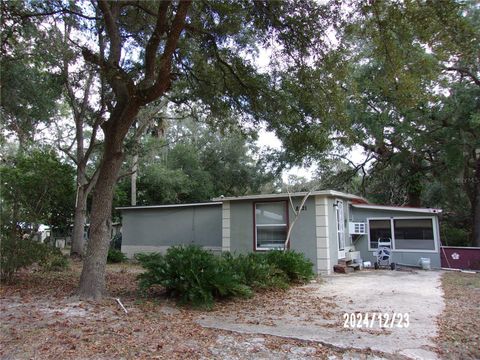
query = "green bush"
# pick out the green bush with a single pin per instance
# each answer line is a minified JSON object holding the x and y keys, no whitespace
{"x":115,"y":256}
{"x":296,"y":267}
{"x":453,"y":236}
{"x":256,"y":272}
{"x":17,"y":253}
{"x":197,"y":277}
{"x":53,"y":259}
{"x":192,"y":275}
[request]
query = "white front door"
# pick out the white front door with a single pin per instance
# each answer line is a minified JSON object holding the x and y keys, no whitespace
{"x":340,"y":228}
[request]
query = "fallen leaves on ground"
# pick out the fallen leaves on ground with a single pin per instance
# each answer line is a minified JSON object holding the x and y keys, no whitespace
{"x":459,"y":325}
{"x":41,"y":317}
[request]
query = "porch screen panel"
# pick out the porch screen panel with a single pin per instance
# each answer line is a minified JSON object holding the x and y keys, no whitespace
{"x":414,"y":234}
{"x":270,"y":225}
{"x":379,"y":230}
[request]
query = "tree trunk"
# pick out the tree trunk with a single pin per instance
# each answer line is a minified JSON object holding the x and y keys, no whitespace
{"x":92,"y":280}
{"x":78,"y":239}
{"x":476,"y":206}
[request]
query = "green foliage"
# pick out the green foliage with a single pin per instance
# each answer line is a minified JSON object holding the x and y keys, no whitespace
{"x":297,"y":268}
{"x":255,"y":271}
{"x":197,"y":277}
{"x":454,"y":236}
{"x":17,"y":253}
{"x":115,"y":256}
{"x":53,"y":259}
{"x":37,"y":188}
{"x":30,"y":88}
{"x":198,"y":164}
{"x":193,"y":275}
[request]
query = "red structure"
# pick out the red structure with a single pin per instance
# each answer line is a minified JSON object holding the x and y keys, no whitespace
{"x":464,"y":258}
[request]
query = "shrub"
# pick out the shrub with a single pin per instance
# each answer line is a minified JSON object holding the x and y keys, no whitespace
{"x":197,"y":277}
{"x":17,"y":253}
{"x":193,"y":275}
{"x":255,"y":271}
{"x":296,"y":267}
{"x":53,"y":259}
{"x":115,"y":256}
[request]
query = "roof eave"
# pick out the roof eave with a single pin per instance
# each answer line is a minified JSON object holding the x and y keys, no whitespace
{"x":286,"y":195}
{"x":168,"y":206}
{"x":395,"y":208}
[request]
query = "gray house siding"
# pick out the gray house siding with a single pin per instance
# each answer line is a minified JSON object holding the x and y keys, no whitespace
{"x":241,"y":226}
{"x":303,"y":237}
{"x":156,"y":229}
{"x":399,"y":256}
{"x":242,"y":231}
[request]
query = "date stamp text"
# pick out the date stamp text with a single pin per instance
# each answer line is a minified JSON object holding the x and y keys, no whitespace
{"x":374,"y":319}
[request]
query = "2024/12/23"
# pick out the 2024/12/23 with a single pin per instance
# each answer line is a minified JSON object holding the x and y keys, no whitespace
{"x":369,"y":320}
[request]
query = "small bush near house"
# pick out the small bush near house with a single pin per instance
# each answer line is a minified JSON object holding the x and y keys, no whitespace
{"x":197,"y":277}
{"x":293,"y":264}
{"x":193,"y":275}
{"x":115,"y":256}
{"x":256,"y":272}
{"x":17,"y":253}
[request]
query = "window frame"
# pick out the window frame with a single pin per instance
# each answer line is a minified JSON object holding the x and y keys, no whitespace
{"x":286,"y":225}
{"x":392,"y":219}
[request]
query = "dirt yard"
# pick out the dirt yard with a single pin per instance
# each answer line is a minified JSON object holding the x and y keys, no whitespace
{"x":40,"y":317}
{"x":459,"y":335}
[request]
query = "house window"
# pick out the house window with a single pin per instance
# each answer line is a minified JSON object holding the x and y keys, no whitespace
{"x":270,"y":225}
{"x":414,"y":234}
{"x":380,"y":230}
{"x":404,"y":233}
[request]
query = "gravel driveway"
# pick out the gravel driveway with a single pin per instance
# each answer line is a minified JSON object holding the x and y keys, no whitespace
{"x":316,"y":312}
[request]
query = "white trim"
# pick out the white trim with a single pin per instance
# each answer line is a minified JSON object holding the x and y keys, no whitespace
{"x":399,"y":208}
{"x":436,"y":234}
{"x":168,"y":206}
{"x":226,"y":234}
{"x":462,"y":247}
{"x":286,"y":196}
{"x":322,"y":236}
{"x":340,"y":227}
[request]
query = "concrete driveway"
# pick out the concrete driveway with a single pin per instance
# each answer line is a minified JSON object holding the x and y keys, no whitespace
{"x":416,"y":293}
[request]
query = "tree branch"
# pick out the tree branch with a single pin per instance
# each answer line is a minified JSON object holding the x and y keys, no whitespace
{"x":163,"y":81}
{"x":154,"y":42}
{"x":464,"y":71}
{"x":110,"y":12}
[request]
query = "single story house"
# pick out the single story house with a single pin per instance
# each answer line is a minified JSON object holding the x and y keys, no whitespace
{"x":331,"y":226}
